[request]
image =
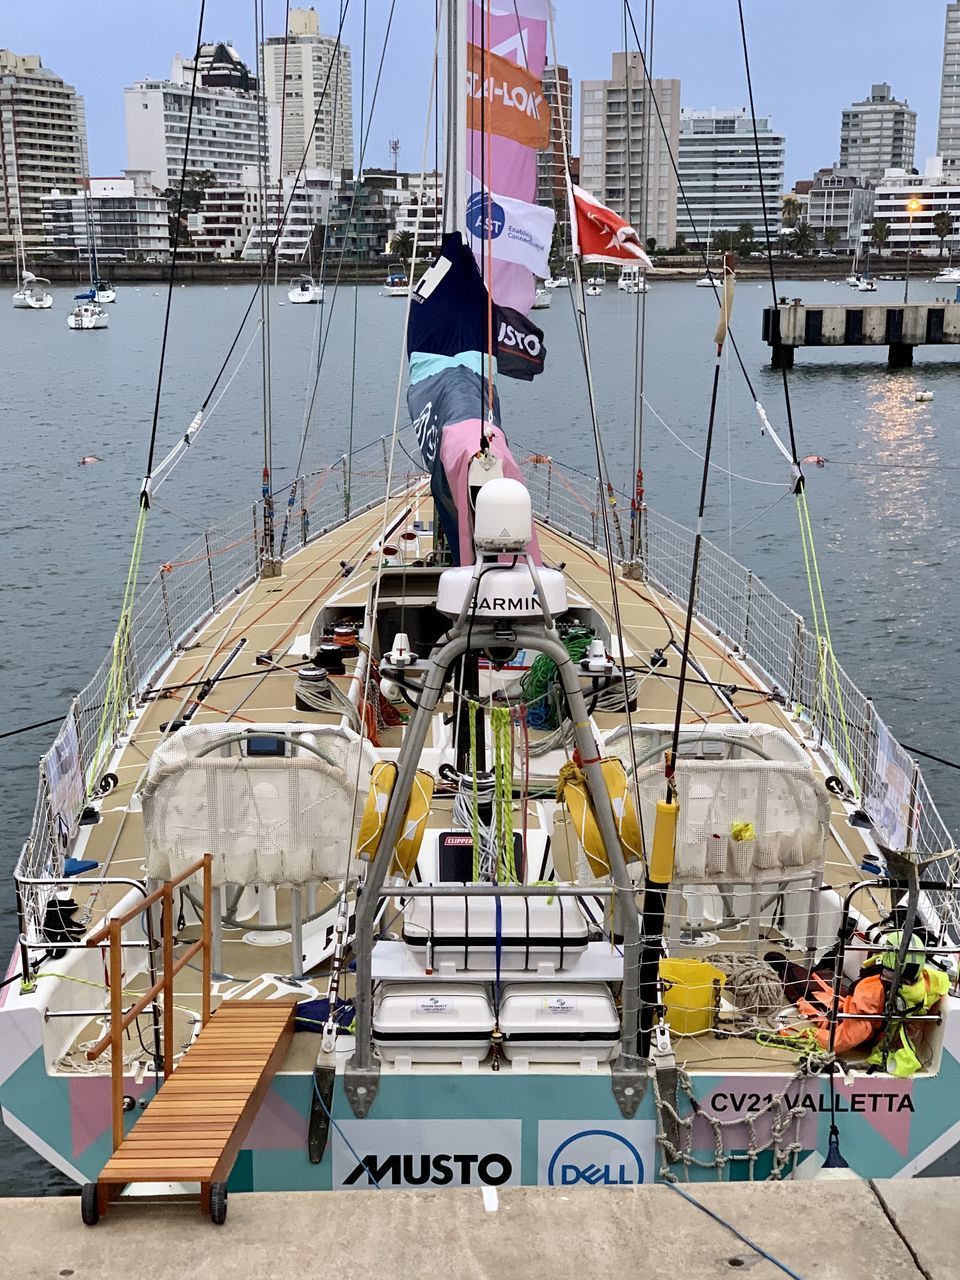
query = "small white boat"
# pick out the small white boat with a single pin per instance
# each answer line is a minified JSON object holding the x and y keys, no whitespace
{"x":853,"y":281}
{"x":105,"y":291}
{"x":594,"y":291}
{"x":632,"y":280}
{"x":397,"y":283}
{"x":88,"y":313}
{"x":867,"y":284}
{"x":305,"y":289}
{"x":597,"y":280}
{"x":557,"y":282}
{"x":542,"y":300}
{"x":923,"y":396}
{"x":709,"y":281}
{"x":949,"y":275}
{"x":33,"y":295}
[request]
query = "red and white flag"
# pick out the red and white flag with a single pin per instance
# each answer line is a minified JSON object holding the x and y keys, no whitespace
{"x":599,"y":234}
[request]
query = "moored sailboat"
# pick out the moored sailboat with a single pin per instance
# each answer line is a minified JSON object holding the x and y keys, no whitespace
{"x":512,"y":749}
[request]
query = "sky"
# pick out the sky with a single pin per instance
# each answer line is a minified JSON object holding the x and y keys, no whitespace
{"x":808,"y":60}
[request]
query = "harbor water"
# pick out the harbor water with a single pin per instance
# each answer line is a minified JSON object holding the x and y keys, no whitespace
{"x":883,"y":502}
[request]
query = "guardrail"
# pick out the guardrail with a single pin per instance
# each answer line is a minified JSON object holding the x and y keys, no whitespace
{"x":734,"y":603}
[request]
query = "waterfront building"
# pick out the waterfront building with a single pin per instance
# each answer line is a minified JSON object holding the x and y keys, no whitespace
{"x":718,"y":168}
{"x":624,"y":153}
{"x":842,"y":200}
{"x":877,"y":134}
{"x":227,"y":214}
{"x":423,"y":202}
{"x":551,"y":170}
{"x":936,"y":191}
{"x":42,"y":145}
{"x":313,"y":62}
{"x":363,"y":216}
{"x":232,"y":129}
{"x":948,"y":131}
{"x":128,"y":216}
{"x":303,"y":204}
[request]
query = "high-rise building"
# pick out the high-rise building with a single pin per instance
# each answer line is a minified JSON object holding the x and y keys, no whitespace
{"x":129,"y":218}
{"x":912,"y":229}
{"x":948,"y":132}
{"x":318,"y":91}
{"x":841,"y":201}
{"x":42,"y":144}
{"x":717,"y":159}
{"x":624,"y":155}
{"x":551,"y":171}
{"x":877,"y":134}
{"x":231,"y":126}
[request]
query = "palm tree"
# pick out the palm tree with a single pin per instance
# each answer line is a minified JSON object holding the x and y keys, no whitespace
{"x":402,"y":245}
{"x":942,"y":227}
{"x":790,"y":211}
{"x":804,"y":236}
{"x":745,"y":234}
{"x":880,"y":234}
{"x":723,"y":241}
{"x":830,"y":236}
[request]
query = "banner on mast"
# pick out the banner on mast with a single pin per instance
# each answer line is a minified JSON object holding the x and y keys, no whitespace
{"x":599,"y":234}
{"x":516,"y":231}
{"x":506,"y":99}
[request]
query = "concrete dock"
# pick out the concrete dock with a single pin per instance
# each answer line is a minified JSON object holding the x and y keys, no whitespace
{"x":898,"y":327}
{"x":828,"y":1230}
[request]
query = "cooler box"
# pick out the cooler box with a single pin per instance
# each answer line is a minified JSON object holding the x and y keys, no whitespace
{"x":550,"y":1022}
{"x":432,"y":1022}
{"x":534,"y":932}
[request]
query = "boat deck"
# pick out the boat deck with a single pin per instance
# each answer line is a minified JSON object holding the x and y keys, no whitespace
{"x":273,"y":617}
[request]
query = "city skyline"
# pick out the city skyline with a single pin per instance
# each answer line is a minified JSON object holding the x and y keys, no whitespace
{"x":834,"y":57}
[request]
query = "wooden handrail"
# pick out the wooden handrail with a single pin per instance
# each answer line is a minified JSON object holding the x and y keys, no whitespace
{"x":149,"y":901}
{"x":120,"y":1021}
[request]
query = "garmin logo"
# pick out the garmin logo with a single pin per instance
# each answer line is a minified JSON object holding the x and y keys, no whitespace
{"x":509,"y":604}
{"x":597,"y":1157}
{"x":441,"y":1170}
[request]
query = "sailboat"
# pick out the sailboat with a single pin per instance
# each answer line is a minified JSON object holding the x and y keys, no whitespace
{"x":32,"y":292}
{"x":502,"y":749}
{"x":88,"y":314}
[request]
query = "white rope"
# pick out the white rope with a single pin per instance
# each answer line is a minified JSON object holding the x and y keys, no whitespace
{"x":714,"y":466}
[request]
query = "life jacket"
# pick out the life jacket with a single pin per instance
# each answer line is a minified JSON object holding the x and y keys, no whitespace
{"x":868,"y":996}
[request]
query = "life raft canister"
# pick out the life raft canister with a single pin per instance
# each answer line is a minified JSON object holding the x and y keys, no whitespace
{"x":383,"y":779}
{"x":573,"y":791}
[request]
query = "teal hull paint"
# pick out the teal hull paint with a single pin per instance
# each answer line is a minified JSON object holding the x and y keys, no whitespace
{"x":884,"y":1124}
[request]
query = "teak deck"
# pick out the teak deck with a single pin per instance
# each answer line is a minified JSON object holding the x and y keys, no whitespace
{"x":194,"y":1127}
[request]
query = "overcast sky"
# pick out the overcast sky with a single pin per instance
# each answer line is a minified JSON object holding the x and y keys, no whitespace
{"x":809,"y":59}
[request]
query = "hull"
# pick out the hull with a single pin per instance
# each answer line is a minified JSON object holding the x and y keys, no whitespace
{"x":395,"y":290}
{"x":84,"y":318}
{"x":28,"y":302}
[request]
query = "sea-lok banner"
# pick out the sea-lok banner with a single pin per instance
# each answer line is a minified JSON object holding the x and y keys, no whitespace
{"x":505,"y":99}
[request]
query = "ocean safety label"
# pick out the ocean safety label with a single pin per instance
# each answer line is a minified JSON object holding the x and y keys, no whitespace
{"x":558,"y":1004}
{"x":432,"y":1004}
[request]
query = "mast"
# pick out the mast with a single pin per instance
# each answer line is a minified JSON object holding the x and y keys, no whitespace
{"x":455,"y":175}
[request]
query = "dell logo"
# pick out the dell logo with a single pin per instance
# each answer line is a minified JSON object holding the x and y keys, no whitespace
{"x":597,"y":1157}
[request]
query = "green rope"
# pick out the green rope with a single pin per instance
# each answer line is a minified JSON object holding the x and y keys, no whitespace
{"x":115,"y":695}
{"x":537,"y":685}
{"x":503,"y":792}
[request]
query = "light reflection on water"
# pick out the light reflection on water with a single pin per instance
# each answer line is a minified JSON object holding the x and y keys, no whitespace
{"x":884,"y":506}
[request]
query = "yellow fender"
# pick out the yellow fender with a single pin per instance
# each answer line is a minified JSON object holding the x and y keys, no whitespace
{"x":383,"y":779}
{"x":572,"y":790}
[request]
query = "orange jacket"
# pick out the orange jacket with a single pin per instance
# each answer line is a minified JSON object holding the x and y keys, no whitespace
{"x":867,"y":997}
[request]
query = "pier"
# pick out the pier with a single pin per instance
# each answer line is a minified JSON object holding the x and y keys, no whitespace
{"x":845,"y":1230}
{"x":897,"y":326}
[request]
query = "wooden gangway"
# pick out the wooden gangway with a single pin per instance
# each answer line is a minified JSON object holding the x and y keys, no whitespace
{"x":193,"y":1129}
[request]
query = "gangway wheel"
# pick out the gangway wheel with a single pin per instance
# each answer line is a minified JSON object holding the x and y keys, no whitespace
{"x":89,"y":1208}
{"x":218,"y":1203}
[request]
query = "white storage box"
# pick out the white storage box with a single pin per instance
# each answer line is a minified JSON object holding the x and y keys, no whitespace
{"x":432,"y":1022}
{"x":550,"y":1022}
{"x":535,"y":933}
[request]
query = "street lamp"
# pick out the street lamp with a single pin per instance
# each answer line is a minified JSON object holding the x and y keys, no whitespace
{"x":913,"y":206}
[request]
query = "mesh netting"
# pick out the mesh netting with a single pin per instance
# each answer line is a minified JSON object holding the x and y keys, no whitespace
{"x":774,"y":742}
{"x":266,"y":820}
{"x":742,"y":819}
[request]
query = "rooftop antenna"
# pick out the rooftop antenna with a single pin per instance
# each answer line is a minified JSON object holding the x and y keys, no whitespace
{"x":394,"y":145}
